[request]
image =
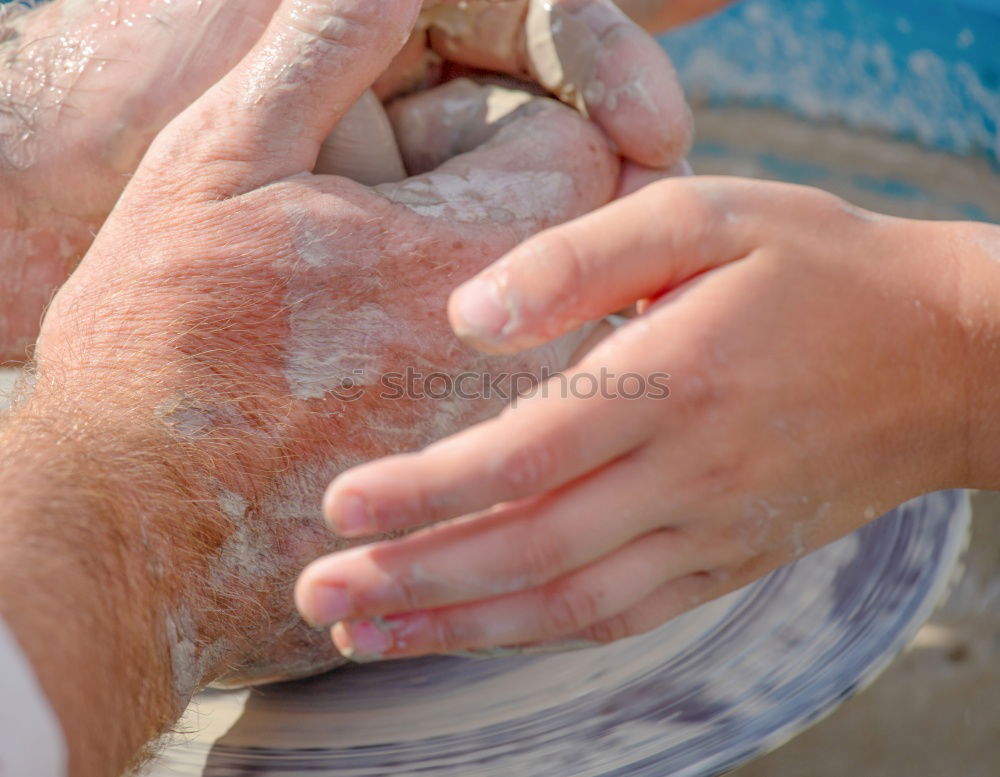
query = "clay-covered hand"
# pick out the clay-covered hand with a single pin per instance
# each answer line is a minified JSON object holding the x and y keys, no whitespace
{"x":587,"y":52}
{"x":800,"y":367}
{"x":260,"y":327}
{"x":86,"y":87}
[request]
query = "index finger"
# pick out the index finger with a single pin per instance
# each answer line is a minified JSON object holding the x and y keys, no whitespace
{"x":545,"y":442}
{"x":635,"y":248}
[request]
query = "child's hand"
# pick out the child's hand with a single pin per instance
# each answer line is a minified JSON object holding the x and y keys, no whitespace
{"x":825,"y":364}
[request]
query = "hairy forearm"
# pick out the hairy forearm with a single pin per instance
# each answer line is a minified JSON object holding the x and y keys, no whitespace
{"x":92,"y":581}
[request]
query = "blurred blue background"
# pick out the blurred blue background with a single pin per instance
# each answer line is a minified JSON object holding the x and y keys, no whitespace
{"x":918,"y":69}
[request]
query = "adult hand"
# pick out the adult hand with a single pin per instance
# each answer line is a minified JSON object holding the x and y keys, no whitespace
{"x":587,"y":52}
{"x":825,"y":364}
{"x":84,"y":88}
{"x":87,"y":86}
{"x":241,"y":330}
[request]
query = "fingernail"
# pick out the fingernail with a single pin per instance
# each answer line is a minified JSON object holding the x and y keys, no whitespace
{"x":481,"y":310}
{"x":363,"y":640}
{"x":326,"y":604}
{"x":353,"y":515}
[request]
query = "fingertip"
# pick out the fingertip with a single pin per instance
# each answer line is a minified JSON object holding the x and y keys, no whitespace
{"x":642,"y":109}
{"x":363,"y":641}
{"x":342,"y":640}
{"x":488,"y":319}
{"x":320,"y":602}
{"x":348,"y":512}
{"x":478,"y":310}
{"x":330,"y":504}
{"x":594,"y":57}
{"x":300,"y":595}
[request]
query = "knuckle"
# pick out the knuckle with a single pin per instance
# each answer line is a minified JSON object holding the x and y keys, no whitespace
{"x":420,"y":503}
{"x":687,"y":202}
{"x":556,"y":256}
{"x":695,"y":216}
{"x":610,"y":630}
{"x":354,"y":27}
{"x":570,"y":608}
{"x":825,"y":203}
{"x":541,"y":558}
{"x":721,"y":477}
{"x":338,"y":30}
{"x":447,"y":637}
{"x":527,"y":467}
{"x":561,"y":254}
{"x":698,"y":394}
{"x":409,"y":592}
{"x":202,"y":170}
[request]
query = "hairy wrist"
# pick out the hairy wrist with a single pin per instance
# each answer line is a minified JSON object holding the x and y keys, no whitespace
{"x":189,"y":461}
{"x":103,"y":543}
{"x":74,"y":589}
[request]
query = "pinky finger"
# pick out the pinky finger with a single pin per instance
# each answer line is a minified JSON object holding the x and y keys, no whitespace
{"x":550,"y":613}
{"x":663,"y":605}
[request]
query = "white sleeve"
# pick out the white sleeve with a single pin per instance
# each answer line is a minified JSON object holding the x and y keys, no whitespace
{"x":31,"y":740}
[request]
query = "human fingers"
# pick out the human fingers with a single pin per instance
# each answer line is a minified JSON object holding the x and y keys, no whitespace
{"x":511,"y":548}
{"x":635,"y":248}
{"x":588,"y":53}
{"x":593,"y":56}
{"x":268,"y":118}
{"x":635,"y":177}
{"x":568,"y":429}
{"x":562,"y":609}
{"x":670,"y":600}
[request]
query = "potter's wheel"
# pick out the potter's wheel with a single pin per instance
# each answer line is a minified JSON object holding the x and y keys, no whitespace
{"x":737,"y":677}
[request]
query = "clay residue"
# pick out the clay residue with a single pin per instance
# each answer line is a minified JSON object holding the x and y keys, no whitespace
{"x":473,"y":197}
{"x":363,"y":146}
{"x":562,"y":51}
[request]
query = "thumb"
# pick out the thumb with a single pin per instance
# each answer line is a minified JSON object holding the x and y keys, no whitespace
{"x":268,"y":118}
